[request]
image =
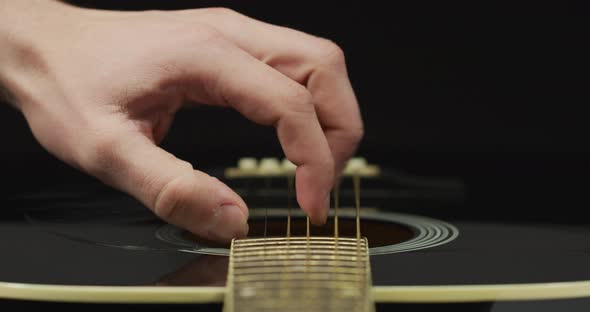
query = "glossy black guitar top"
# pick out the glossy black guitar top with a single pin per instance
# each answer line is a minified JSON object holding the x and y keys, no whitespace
{"x":90,"y":235}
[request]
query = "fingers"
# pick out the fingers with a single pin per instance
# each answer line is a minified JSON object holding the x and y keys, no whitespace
{"x":168,"y":186}
{"x":264,"y":95}
{"x":337,"y":109}
{"x":315,"y":62}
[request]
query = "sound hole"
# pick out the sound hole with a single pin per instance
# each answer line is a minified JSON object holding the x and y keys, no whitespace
{"x":379,"y":233}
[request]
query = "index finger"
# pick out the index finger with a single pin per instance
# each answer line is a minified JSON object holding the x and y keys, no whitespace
{"x":266,"y":96}
{"x":336,"y":104}
{"x":318,"y":63}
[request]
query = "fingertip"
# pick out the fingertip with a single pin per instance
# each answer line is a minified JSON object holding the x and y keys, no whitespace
{"x":321,"y":215}
{"x":232,"y":214}
{"x":229,"y":196}
{"x":204,"y":206}
{"x":232,"y":224}
{"x":313,"y":194}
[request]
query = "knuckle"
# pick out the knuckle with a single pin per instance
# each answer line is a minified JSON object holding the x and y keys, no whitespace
{"x":222,"y":11}
{"x":356,"y":134}
{"x":183,"y":200}
{"x":329,"y":163}
{"x":301,"y":99}
{"x":350,"y":139}
{"x":205,"y":33}
{"x":191,"y":34}
{"x":170,"y":200}
{"x":331,"y":53}
{"x":104,"y":154}
{"x":166,"y":204}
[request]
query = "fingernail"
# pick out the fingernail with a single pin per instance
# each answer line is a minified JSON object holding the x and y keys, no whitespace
{"x":232,"y":224}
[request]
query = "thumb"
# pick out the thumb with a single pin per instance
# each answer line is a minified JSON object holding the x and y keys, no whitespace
{"x":170,"y":187}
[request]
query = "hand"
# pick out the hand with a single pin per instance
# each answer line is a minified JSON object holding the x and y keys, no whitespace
{"x":100,"y":89}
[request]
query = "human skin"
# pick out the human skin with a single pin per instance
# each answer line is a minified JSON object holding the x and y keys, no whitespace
{"x":100,"y":89}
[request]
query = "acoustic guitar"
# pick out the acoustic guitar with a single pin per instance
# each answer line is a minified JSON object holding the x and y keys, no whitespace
{"x":387,"y":243}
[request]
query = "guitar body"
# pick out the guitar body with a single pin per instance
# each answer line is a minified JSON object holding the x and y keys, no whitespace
{"x":93,"y":246}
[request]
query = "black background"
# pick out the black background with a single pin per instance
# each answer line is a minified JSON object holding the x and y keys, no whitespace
{"x":492,"y":92}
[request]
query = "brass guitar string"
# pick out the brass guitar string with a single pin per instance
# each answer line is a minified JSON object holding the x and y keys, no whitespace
{"x":267,"y":187}
{"x":290,"y":182}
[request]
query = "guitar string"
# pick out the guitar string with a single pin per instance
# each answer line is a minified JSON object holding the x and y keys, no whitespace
{"x":336,"y":202}
{"x":308,"y":254}
{"x":267,"y":187}
{"x":307,"y":259}
{"x":307,"y":234}
{"x":336,"y":233}
{"x":357,"y":195}
{"x":285,"y":291}
{"x":290,"y":183}
{"x":357,"y":200}
{"x":289,"y":198}
{"x":307,"y":231}
{"x":336,"y":193}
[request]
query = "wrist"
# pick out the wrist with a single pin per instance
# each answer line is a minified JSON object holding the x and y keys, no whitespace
{"x":27,"y":28}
